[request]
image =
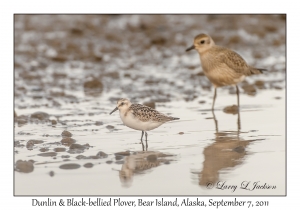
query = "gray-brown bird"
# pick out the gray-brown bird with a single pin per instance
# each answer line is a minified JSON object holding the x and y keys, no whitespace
{"x":221,"y":65}
{"x":140,"y":117}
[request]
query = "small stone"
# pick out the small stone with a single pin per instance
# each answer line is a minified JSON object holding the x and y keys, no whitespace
{"x":110,"y":127}
{"x":18,"y":144}
{"x":51,"y":173}
{"x":126,"y":153}
{"x":201,"y":74}
{"x":101,"y":155}
{"x":159,"y":40}
{"x":234,"y":109}
{"x":88,"y":165}
{"x":24,"y":166}
{"x":44,"y":149}
{"x":48,"y":154}
{"x":69,"y":166}
{"x":21,"y":120}
{"x":119,"y":157}
{"x":67,"y":141}
{"x":55,"y":103}
{"x":249,"y":89}
{"x":260,"y":84}
{"x":180,"y":133}
{"x":66,"y":134}
{"x":59,"y":58}
{"x":93,"y":84}
{"x":59,"y":149}
{"x":76,"y":31}
{"x":31,"y":143}
{"x":53,"y":122}
{"x":77,"y":146}
{"x":98,"y":123}
{"x":79,"y":157}
{"x":40,"y":116}
{"x":150,"y":104}
{"x":209,"y":118}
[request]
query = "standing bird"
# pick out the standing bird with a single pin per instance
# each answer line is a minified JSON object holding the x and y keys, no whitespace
{"x":221,"y":65}
{"x":140,"y":117}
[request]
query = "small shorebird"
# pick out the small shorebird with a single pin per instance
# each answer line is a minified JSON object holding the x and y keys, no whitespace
{"x":140,"y":117}
{"x":221,"y":65}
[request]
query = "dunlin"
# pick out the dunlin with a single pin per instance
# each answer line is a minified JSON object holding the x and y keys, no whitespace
{"x":221,"y":65}
{"x":140,"y":117}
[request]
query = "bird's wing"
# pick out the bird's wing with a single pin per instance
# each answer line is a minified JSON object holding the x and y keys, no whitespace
{"x":145,"y":113}
{"x":234,"y":61}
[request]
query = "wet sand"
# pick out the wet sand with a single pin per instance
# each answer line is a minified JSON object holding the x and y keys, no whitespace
{"x":68,"y":76}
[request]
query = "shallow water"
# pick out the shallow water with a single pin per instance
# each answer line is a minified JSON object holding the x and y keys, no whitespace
{"x":195,"y":155}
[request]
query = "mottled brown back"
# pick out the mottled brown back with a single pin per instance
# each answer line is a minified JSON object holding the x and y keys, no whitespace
{"x":145,"y":113}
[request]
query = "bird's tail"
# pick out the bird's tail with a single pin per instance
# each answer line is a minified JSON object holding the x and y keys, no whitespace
{"x":257,"y":70}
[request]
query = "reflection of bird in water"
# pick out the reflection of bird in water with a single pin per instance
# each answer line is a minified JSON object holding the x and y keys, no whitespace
{"x":221,"y":65}
{"x":140,"y":117}
{"x":238,"y":121}
{"x":140,"y":163}
{"x":226,"y":152}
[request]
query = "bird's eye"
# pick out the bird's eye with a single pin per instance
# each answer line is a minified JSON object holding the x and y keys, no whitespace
{"x":122,"y":103}
{"x":202,"y":41}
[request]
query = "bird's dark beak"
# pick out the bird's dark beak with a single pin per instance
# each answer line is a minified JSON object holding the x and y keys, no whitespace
{"x":190,"y":48}
{"x":114,"y":110}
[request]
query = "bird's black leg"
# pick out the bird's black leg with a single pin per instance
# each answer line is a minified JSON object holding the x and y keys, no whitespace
{"x":146,"y":140}
{"x":142,"y":140}
{"x":238,"y":102}
{"x":215,"y":96}
{"x":238,"y":96}
{"x":216,"y":121}
{"x":142,"y":136}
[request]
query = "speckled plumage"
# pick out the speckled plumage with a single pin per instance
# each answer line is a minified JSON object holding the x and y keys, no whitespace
{"x":140,"y":117}
{"x":145,"y":113}
{"x":221,"y":65}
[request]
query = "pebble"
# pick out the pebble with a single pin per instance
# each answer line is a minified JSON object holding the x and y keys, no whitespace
{"x":24,"y":166}
{"x":40,"y":116}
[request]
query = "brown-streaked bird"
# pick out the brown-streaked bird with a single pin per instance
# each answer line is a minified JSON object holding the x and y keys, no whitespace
{"x":221,"y":65}
{"x":140,"y":117}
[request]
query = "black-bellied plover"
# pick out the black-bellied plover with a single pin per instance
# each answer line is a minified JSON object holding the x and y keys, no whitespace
{"x":221,"y":65}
